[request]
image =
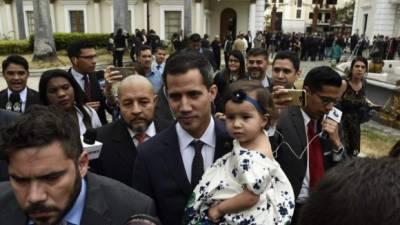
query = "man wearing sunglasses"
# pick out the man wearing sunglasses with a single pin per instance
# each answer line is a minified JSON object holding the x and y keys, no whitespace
{"x":83,"y":58}
{"x":300,"y":148}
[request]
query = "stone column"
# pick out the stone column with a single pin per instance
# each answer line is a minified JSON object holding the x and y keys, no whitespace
{"x":260,"y":19}
{"x":53,"y":15}
{"x":145,"y":2}
{"x":97,"y":16}
{"x":315,"y":19}
{"x":273,"y":18}
{"x":9,"y":31}
{"x":252,"y":17}
{"x":355,"y":17}
{"x":198,"y":17}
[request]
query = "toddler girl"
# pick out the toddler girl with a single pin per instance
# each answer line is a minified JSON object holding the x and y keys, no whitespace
{"x":246,"y":186}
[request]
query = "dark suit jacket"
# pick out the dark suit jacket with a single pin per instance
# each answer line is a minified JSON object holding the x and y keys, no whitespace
{"x":159,"y":172}
{"x":5,"y":118}
{"x":108,"y":202}
{"x":96,"y":94}
{"x":292,"y":130}
{"x":31,"y":98}
{"x":118,"y":153}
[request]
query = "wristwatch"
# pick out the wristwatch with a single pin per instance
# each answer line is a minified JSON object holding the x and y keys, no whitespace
{"x":339,"y":150}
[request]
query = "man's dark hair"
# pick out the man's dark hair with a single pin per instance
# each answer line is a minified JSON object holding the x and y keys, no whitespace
{"x":15,"y":59}
{"x":39,"y":126}
{"x":359,"y":191}
{"x":257,"y":52}
{"x":74,"y":49}
{"x":289,"y":55}
{"x":321,"y":76}
{"x":181,"y":62}
{"x":160,"y":48}
{"x":195,"y":37}
{"x":143,"y":48}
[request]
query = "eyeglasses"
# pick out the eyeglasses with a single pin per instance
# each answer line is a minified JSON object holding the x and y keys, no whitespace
{"x":284,"y":70}
{"x":327,"y":100}
{"x":89,"y":57}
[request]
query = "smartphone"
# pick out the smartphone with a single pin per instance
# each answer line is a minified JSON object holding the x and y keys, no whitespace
{"x":124,"y":71}
{"x":298,"y":97}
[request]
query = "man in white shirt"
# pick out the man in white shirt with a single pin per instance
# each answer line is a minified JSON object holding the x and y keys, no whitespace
{"x":17,"y":96}
{"x":159,"y":62}
{"x":136,"y":100}
{"x":170,"y":164}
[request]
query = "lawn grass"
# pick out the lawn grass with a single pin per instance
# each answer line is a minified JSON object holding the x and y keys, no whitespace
{"x":375,"y":143}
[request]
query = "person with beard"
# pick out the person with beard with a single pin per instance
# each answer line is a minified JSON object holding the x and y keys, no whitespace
{"x":6,"y":117}
{"x":49,"y":179}
{"x":257,"y":65}
{"x":137,"y":101}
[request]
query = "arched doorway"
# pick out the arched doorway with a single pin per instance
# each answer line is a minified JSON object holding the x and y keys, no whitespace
{"x":228,"y":23}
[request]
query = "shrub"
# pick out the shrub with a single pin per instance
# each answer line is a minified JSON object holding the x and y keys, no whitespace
{"x":62,"y":40}
{"x":14,"y":46}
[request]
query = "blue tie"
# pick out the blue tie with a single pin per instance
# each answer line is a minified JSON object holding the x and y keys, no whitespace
{"x":158,"y":67}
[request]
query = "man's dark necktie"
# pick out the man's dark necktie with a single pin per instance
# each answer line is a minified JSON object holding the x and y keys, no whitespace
{"x":87,"y":87}
{"x":316,"y":160}
{"x":15,"y":103}
{"x":158,"y":67}
{"x":198,"y":163}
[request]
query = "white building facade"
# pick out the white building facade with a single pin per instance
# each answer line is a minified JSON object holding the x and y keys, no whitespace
{"x":214,"y":17}
{"x":297,"y":15}
{"x":373,"y":17}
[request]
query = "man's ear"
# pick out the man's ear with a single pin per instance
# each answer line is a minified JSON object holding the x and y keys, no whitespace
{"x":83,"y":163}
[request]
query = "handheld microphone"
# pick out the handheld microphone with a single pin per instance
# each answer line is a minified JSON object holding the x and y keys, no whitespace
{"x":90,"y":144}
{"x":335,"y":115}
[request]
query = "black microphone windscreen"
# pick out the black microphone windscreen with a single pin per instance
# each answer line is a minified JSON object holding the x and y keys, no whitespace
{"x":89,"y":137}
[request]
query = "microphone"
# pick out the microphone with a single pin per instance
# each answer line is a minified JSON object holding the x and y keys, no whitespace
{"x":335,"y":115}
{"x":90,"y":144}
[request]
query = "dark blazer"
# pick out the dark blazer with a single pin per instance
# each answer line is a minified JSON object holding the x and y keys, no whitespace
{"x":31,"y":98}
{"x":159,"y":172}
{"x":118,"y":153}
{"x":291,"y":130}
{"x":5,"y":118}
{"x":96,"y":94}
{"x":108,"y":202}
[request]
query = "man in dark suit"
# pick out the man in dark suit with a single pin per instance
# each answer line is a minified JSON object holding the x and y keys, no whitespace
{"x":285,"y":69}
{"x":136,"y":100}
{"x":83,"y":58}
{"x":195,"y":46}
{"x":302,"y":153}
{"x":170,"y":164}
{"x":49,"y":182}
{"x":17,"y":96}
{"x":6,"y":117}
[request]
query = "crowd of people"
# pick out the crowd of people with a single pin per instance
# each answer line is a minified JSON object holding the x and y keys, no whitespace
{"x":189,"y":142}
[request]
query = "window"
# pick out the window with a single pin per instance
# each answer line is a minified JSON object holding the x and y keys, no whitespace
{"x":172,"y":23}
{"x":315,"y":1}
{"x":280,"y":1}
{"x":311,"y":15}
{"x":30,"y":22}
{"x":77,"y":21}
{"x":299,"y":3}
{"x":298,"y":14}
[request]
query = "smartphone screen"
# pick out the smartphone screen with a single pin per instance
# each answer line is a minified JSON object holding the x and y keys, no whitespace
{"x":124,"y":71}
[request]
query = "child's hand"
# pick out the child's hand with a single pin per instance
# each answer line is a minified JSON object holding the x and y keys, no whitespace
{"x":214,"y":213}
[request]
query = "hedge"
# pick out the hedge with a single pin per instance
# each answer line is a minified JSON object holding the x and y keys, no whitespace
{"x":14,"y":46}
{"x":62,"y":40}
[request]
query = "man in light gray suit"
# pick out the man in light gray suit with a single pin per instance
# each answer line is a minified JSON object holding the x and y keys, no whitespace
{"x":6,"y":117}
{"x":49,"y":178}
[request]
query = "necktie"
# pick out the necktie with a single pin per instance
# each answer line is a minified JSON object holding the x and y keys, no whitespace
{"x":158,"y":67}
{"x":15,"y":102}
{"x":140,"y":137}
{"x":87,"y":87}
{"x":316,"y":161}
{"x":198,"y":163}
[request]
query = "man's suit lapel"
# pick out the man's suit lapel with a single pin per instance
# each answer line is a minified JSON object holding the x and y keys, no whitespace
{"x":173,"y":160}
{"x":3,"y":98}
{"x":298,"y":122}
{"x":14,"y":215}
{"x":223,"y":141}
{"x":122,"y":138}
{"x":96,"y":208}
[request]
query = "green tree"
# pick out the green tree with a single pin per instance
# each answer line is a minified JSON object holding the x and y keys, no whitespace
{"x":345,"y":14}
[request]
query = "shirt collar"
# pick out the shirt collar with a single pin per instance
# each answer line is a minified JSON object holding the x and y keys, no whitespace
{"x":306,"y":118}
{"x":76,"y":74}
{"x":75,"y":213}
{"x":265,"y":82}
{"x":22,"y":94}
{"x":150,"y":131}
{"x":207,"y":138}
